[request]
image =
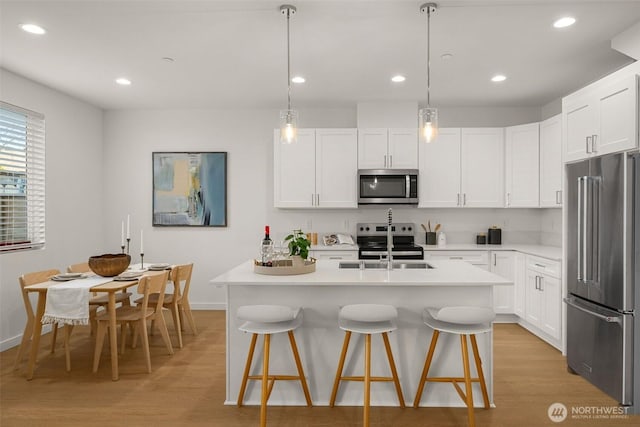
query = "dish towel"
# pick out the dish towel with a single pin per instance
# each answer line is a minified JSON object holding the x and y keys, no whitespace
{"x":68,"y":302}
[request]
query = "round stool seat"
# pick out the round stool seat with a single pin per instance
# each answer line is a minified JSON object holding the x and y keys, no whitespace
{"x":269,"y":319}
{"x":368,"y":318}
{"x":459,"y":320}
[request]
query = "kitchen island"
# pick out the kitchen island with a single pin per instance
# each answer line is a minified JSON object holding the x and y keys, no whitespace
{"x":321,"y":294}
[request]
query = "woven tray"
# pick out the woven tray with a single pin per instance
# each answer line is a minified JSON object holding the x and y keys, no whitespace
{"x":286,"y":267}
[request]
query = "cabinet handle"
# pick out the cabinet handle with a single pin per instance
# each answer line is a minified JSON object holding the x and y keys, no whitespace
{"x":455,"y":257}
{"x":390,"y":161}
{"x":385,"y":160}
{"x":313,"y":203}
{"x":318,"y":199}
{"x":540,"y":265}
{"x":537,"y":288}
{"x":495,"y":259}
{"x":541,"y":282}
{"x":458,"y":202}
{"x":594,"y":139}
{"x":508,"y":199}
{"x":588,"y":142}
{"x":335,"y":257}
{"x":558,"y":197}
{"x":464,"y":199}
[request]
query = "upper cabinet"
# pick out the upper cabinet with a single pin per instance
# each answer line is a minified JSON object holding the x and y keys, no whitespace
{"x":463,"y":168}
{"x":482,"y":167}
{"x":521,"y":166}
{"x":315,"y":172}
{"x":387,"y":148}
{"x":601,"y":118}
{"x":551,"y":162}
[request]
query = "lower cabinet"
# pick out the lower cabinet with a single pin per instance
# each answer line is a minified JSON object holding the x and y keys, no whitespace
{"x":503,"y":263}
{"x":543,"y":294}
{"x":331,"y":254}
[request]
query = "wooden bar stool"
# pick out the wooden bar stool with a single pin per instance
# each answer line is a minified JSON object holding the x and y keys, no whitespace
{"x":462,"y":321}
{"x":367,"y":319}
{"x":266,"y":320}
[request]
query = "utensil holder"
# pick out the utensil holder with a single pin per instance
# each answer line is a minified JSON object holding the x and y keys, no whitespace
{"x":431,"y":238}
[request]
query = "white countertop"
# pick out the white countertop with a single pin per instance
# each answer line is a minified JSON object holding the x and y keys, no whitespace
{"x":449,"y":273}
{"x":550,"y":252}
{"x":333,"y":248}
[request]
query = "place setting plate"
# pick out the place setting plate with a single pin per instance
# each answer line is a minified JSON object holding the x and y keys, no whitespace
{"x":159,"y":267}
{"x":128,"y":276}
{"x":65,"y":277}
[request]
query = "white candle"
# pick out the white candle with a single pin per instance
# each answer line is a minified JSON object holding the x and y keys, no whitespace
{"x":122,"y":235}
{"x":128,"y":226}
{"x":141,"y":243}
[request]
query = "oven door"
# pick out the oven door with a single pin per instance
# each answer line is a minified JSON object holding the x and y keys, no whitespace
{"x":380,"y":186}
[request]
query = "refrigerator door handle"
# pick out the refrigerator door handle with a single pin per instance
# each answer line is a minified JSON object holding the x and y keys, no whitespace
{"x":609,"y":319}
{"x":594,"y":207}
{"x":581,"y":230}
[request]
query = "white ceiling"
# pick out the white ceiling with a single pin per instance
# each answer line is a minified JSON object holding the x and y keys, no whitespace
{"x":233,"y":53}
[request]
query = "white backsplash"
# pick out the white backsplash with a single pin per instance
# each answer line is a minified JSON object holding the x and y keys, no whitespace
{"x":525,"y":226}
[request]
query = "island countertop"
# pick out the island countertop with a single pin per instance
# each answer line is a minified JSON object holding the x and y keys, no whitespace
{"x":328,"y":273}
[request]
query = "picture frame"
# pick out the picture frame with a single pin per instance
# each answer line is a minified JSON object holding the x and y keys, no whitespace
{"x":189,"y":189}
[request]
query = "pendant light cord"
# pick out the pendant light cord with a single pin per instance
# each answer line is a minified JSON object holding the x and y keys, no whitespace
{"x":288,"y":63}
{"x":428,"y":56}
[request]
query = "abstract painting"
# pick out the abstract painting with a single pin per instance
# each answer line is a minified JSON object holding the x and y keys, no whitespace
{"x":190,"y":189}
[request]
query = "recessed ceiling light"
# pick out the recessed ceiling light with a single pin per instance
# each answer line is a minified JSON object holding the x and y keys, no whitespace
{"x":168,"y":59}
{"x":33,"y":29}
{"x":564,"y":22}
{"x":123,"y":81}
{"x":498,"y":78}
{"x":446,"y":56}
{"x":398,"y":78}
{"x":298,"y":79}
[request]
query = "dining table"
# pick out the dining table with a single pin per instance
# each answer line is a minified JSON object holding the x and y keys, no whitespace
{"x":111,"y":288}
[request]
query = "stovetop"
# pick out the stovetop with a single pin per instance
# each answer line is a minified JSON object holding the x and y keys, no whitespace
{"x":372,"y":240}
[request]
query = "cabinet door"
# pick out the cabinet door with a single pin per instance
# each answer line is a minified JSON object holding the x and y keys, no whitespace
{"x":551,"y":162}
{"x":439,"y":177}
{"x":519,"y":285}
{"x":483,"y":167}
{"x":552,"y":305}
{"x":294,"y":171}
{"x":522,"y":169}
{"x":403,"y":149}
{"x":534,"y":299}
{"x":503,"y":264}
{"x":618,"y":110}
{"x":372,"y":149}
{"x":336,"y":168}
{"x":579,"y":122}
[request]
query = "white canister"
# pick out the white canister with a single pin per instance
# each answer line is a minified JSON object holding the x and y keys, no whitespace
{"x":442,"y":239}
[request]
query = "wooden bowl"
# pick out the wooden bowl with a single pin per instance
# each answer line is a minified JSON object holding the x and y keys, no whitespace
{"x":109,"y":265}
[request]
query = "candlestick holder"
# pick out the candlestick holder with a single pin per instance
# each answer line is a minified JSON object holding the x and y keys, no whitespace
{"x":128,"y":241}
{"x":141,"y":261}
{"x":122,"y":247}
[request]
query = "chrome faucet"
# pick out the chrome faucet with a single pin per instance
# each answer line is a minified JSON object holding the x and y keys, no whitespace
{"x":389,"y":239}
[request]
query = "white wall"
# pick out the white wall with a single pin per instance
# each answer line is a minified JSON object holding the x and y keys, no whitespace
{"x":74,"y":193}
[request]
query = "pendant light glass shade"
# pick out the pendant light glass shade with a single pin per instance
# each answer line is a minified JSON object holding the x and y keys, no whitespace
{"x":428,"y":117}
{"x":288,"y":126}
{"x":288,"y":117}
{"x":428,"y":122}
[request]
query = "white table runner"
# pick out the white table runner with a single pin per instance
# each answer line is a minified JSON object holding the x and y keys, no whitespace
{"x":68,"y":302}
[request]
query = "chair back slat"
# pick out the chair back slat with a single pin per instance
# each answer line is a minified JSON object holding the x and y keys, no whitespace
{"x":153,"y":284}
{"x":181,"y":273}
{"x":32,"y":279}
{"x":82,"y":267}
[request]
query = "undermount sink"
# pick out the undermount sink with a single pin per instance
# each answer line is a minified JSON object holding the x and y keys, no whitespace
{"x":383,"y":265}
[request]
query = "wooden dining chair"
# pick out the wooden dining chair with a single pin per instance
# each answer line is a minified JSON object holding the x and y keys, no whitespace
{"x":32,"y":279}
{"x":138,"y":316}
{"x":98,"y":301}
{"x":178,"y":301}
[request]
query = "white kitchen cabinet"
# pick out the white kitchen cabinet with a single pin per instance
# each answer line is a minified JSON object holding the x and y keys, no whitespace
{"x":551,"y":162}
{"x":384,"y":148}
{"x":601,"y":118}
{"x":482,"y":165}
{"x":439,"y":177}
{"x":477,"y":258}
{"x":463,"y":168}
{"x":334,"y":254}
{"x":543,"y":296}
{"x":503,"y":263}
{"x":519,"y":285}
{"x":522,"y":166}
{"x":316,"y":171}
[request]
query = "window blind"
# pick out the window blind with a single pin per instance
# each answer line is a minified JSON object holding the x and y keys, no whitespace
{"x":22,"y":178}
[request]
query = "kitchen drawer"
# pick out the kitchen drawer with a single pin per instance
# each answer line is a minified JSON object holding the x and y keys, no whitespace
{"x":543,"y":265}
{"x":472,"y":257}
{"x":334,"y":254}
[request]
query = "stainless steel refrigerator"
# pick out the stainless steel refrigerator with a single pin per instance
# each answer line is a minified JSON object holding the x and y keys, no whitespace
{"x":603,"y":274}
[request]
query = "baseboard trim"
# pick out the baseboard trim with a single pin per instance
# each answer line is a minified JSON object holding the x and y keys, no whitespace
{"x":15,"y":341}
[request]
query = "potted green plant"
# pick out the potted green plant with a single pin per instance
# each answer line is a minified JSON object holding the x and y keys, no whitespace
{"x":298,"y":244}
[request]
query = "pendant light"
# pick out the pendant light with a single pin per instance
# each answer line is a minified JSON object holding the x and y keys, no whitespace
{"x":288,"y":117}
{"x":428,"y":117}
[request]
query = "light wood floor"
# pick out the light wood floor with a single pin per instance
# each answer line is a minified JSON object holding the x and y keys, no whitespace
{"x":188,"y":389}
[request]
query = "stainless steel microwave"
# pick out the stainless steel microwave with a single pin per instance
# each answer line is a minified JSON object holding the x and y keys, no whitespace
{"x":388,"y":187}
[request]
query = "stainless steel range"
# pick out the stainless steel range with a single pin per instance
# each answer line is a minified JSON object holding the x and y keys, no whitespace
{"x":372,"y":240}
